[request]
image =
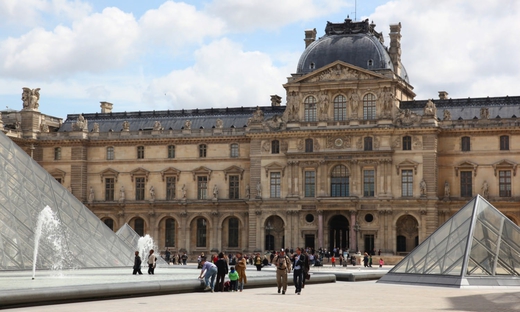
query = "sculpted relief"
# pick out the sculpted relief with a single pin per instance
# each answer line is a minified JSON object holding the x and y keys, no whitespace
{"x":339,"y":72}
{"x":30,"y":98}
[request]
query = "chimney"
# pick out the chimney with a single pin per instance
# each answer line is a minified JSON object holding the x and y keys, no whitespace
{"x":276,"y":100}
{"x":106,"y":107}
{"x":310,"y":37}
{"x":443,"y":95}
{"x":395,"y":47}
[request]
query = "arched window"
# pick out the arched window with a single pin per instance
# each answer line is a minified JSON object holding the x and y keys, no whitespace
{"x":109,"y":222}
{"x":340,"y":108}
{"x":339,"y":182}
{"x":201,"y":232}
{"x":139,"y":226}
{"x":233,"y":232}
{"x":169,"y":238}
{"x":369,"y":107}
{"x":110,"y":153}
{"x":309,"y":109}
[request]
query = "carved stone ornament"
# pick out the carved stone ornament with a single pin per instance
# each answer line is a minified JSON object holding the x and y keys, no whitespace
{"x":387,"y":102}
{"x":275,"y":123}
{"x":95,"y":127}
{"x":484,"y":113}
{"x":219,"y":124}
{"x":45,"y":128}
{"x":300,"y":145}
{"x":417,"y":143}
{"x":187,"y":124}
{"x":126,"y":126}
{"x":323,"y":106}
{"x":293,"y":106}
{"x":406,"y":118}
{"x":30,"y":98}
{"x":284,"y":146}
{"x":157,"y":126}
{"x":359,"y":143}
{"x":377,"y":142}
{"x":339,"y":72}
{"x":430,"y":110}
{"x":258,"y":115}
{"x":446,"y":115}
{"x":81,"y":124}
{"x":397,"y":143}
{"x":266,"y":147}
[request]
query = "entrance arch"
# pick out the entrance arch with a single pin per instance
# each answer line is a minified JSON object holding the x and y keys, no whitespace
{"x":338,"y":232}
{"x":407,"y":234}
{"x":274,"y":233}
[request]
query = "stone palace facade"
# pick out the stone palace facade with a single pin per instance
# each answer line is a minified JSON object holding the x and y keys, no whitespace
{"x":352,"y":160}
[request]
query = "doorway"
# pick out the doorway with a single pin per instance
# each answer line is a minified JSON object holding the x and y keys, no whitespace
{"x":309,"y":240}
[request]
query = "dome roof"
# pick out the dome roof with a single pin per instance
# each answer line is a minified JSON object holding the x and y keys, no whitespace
{"x":354,"y":43}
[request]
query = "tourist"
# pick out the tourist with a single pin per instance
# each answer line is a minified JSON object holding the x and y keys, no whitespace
{"x":184,"y":258}
{"x":283,"y":267}
{"x":137,"y":264}
{"x":151,"y":262}
{"x":306,"y":269}
{"x":222,"y":270}
{"x":167,"y":255}
{"x":208,"y":271}
{"x":333,"y":260}
{"x":299,"y":264}
{"x":233,"y":278}
{"x":381,"y":262}
{"x":365,"y":260}
{"x":241,"y":270}
{"x":258,"y":262}
{"x":370,"y":261}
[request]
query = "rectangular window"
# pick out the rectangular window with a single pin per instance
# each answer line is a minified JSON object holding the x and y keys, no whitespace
{"x":407,"y":143}
{"x":340,"y":111}
{"x":202,"y":187}
{"x":109,"y":189}
{"x":275,"y":147}
{"x":465,"y":144}
{"x":140,"y":152}
{"x":309,"y":145}
{"x":234,"y":150}
{"x":110,"y":153}
{"x":504,"y":183}
{"x":504,"y":143}
{"x":234,"y":187}
{"x":367,"y":143}
{"x":407,"y":183}
{"x":202,"y":150}
{"x":310,"y":112}
{"x":368,"y":183}
{"x":171,"y":151}
{"x":275,"y":184}
{"x":310,"y":183}
{"x":57,"y":153}
{"x":139,"y":188}
{"x":466,"y":184}
{"x":170,"y":187}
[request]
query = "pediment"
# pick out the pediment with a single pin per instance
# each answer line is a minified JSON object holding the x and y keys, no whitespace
{"x":505,"y":164}
{"x":337,"y":71}
{"x":139,"y":172}
{"x":109,"y":173}
{"x":57,"y":173}
{"x":407,"y":164}
{"x":274,"y":166}
{"x":234,"y":170}
{"x":201,"y":171}
{"x":169,"y":172}
{"x":466,"y":165}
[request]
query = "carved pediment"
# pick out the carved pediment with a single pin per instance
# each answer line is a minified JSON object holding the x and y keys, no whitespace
{"x":139,"y":172}
{"x":58,"y":174}
{"x":407,"y":164}
{"x":170,"y":172}
{"x":505,"y":165}
{"x":109,"y":173}
{"x":201,"y":171}
{"x":274,"y":166}
{"x":466,"y":166}
{"x":234,"y":170}
{"x":337,"y":71}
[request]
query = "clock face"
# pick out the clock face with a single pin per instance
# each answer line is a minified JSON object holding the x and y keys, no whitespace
{"x":338,"y":142}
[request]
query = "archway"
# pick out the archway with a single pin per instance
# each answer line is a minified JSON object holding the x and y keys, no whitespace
{"x":338,"y":232}
{"x":407,"y":232}
{"x":274,"y":233}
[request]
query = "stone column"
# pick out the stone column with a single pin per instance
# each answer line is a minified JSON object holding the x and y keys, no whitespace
{"x":289,"y":178}
{"x":296,"y":179}
{"x":217,"y":230}
{"x":244,"y":244}
{"x":152,"y":228}
{"x":320,"y":228}
{"x":353,"y":234}
{"x":260,"y":241}
{"x":288,"y":231}
{"x":183,"y":237}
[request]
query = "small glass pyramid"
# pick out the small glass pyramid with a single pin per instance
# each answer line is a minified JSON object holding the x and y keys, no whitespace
{"x":478,"y":246}
{"x":25,"y":189}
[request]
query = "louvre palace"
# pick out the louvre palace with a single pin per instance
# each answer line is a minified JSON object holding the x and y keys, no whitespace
{"x":350,"y":160}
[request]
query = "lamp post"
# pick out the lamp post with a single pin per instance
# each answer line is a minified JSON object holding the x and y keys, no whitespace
{"x":268,"y":228}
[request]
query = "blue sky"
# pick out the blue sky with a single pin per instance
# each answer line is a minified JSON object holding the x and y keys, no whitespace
{"x":145,"y":55}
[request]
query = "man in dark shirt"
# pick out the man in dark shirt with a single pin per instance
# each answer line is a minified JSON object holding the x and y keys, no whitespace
{"x":299,"y":266}
{"x":137,"y":264}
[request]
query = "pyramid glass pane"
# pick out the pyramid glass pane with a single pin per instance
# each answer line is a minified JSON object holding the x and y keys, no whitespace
{"x":25,"y":190}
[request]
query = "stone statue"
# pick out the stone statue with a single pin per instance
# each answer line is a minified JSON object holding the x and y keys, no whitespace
{"x":484,"y":113}
{"x":215,"y":192}
{"x":122,"y":194}
{"x":91,"y":195}
{"x":292,"y":106}
{"x":354,"y":100}
{"x":446,"y":189}
{"x":152,"y":193}
{"x":258,"y":115}
{"x":30,"y":98}
{"x":485,"y":189}
{"x":447,"y":115}
{"x":126,"y":126}
{"x":219,"y":124}
{"x":324,"y":105}
{"x":44,"y":128}
{"x":157,"y":125}
{"x":248,"y":191}
{"x":81,"y":124}
{"x":430,"y":109}
{"x":187,"y":124}
{"x":258,"y":190}
{"x":422,"y":186}
{"x":183,"y":189}
{"x":95,"y":127}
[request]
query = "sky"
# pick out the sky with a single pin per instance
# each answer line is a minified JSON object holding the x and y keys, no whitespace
{"x":159,"y":55}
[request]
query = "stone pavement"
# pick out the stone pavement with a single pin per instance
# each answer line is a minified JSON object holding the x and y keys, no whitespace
{"x":340,"y":296}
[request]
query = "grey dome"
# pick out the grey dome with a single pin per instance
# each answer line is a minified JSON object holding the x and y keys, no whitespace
{"x":354,"y":43}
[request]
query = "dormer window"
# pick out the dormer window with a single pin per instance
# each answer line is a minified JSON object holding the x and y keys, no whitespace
{"x":370,"y":63}
{"x":312,"y":65}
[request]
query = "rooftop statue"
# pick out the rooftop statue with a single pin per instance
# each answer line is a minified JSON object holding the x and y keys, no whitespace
{"x":30,"y":98}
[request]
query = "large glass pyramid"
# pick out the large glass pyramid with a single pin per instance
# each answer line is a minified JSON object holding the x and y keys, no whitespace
{"x":478,"y":246}
{"x":25,"y":190}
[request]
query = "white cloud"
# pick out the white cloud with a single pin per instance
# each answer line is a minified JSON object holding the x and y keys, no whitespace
{"x":249,"y":15}
{"x":98,"y":42}
{"x":29,"y":12}
{"x":466,"y":48}
{"x":224,"y":76}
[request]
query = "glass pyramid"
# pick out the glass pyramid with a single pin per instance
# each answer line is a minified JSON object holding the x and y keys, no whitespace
{"x":478,"y":246}
{"x":25,"y":190}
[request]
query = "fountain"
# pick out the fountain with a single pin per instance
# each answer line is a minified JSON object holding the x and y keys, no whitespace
{"x":144,"y":245}
{"x":48,"y":226}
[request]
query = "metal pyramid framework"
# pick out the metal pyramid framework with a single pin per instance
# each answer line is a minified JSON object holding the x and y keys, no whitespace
{"x":25,"y":189}
{"x":478,"y":246}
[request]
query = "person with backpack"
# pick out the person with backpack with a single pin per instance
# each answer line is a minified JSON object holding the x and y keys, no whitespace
{"x":283,"y":267}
